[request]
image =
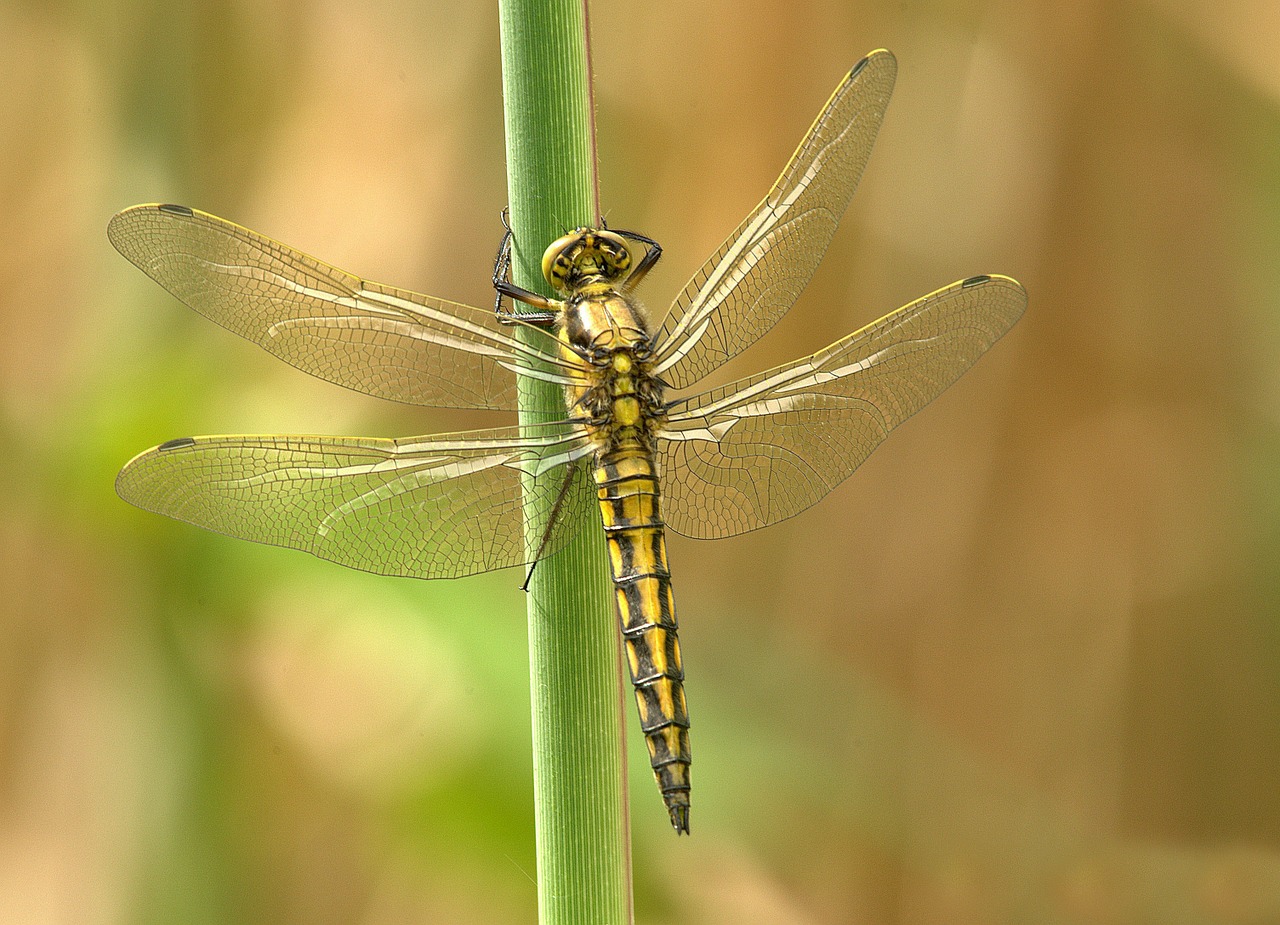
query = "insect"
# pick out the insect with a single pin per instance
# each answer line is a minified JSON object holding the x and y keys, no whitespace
{"x":714,"y":464}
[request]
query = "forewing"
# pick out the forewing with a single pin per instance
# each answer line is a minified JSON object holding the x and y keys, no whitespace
{"x":760,"y":270}
{"x":372,"y":338}
{"x":765,"y":448}
{"x":426,"y":507}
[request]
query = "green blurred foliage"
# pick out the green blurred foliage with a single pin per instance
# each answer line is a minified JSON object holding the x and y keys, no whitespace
{"x":1021,"y":668}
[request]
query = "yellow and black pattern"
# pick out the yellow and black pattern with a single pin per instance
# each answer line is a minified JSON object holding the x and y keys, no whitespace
{"x":621,"y":408}
{"x":627,"y":486}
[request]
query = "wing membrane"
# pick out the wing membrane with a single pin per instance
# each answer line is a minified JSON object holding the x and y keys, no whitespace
{"x":767,"y":447}
{"x":362,"y":335}
{"x":760,"y":270}
{"x":442,"y":506}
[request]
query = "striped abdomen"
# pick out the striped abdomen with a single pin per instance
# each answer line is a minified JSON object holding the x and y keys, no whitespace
{"x":627,"y":486}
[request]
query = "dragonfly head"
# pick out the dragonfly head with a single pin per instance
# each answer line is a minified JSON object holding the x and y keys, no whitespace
{"x":583,"y":255}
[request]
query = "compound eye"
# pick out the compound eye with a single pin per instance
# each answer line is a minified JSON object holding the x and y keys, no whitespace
{"x":556,"y":262}
{"x":614,"y":251}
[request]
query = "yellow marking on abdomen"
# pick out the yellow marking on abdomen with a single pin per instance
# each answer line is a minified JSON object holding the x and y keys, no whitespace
{"x":627,"y":487}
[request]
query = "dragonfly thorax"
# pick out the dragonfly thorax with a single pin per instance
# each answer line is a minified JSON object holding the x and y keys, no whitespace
{"x":595,"y":325}
{"x":585,"y":256}
{"x":617,"y":388}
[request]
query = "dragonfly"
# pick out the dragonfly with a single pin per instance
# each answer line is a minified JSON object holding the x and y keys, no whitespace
{"x":711,"y":464}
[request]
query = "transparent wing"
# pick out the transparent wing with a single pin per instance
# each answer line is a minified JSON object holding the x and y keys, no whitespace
{"x":368,"y":337}
{"x":425,"y":507}
{"x":760,"y":270}
{"x":767,"y":447}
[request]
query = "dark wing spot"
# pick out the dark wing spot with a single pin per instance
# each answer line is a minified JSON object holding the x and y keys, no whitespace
{"x":177,"y":444}
{"x":859,"y":66}
{"x":975,"y":281}
{"x":176,"y":210}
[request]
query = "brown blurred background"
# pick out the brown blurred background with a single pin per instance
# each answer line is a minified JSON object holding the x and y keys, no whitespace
{"x":1023,"y":667}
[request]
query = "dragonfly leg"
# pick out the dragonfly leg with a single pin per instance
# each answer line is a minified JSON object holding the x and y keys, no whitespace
{"x":547,"y":308}
{"x":556,"y":508}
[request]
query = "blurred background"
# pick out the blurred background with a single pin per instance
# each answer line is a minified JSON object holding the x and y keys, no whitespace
{"x":1023,"y":667}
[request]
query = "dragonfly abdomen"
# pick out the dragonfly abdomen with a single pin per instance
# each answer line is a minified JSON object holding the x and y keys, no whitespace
{"x":627,"y":487}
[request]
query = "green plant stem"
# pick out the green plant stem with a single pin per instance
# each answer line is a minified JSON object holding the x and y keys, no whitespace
{"x":583,"y":844}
